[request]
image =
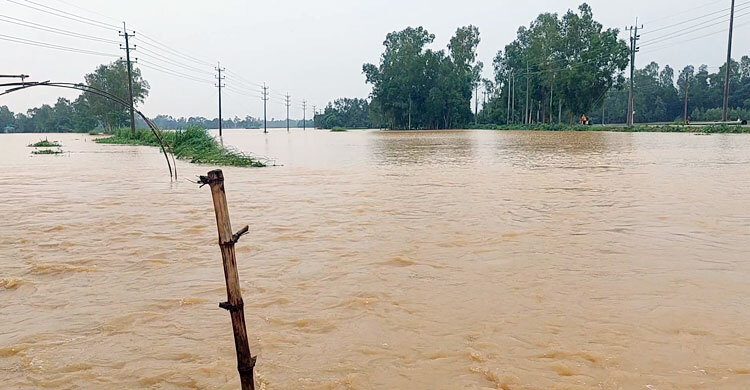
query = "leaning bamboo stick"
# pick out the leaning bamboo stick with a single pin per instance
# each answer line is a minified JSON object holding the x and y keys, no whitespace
{"x":234,"y":304}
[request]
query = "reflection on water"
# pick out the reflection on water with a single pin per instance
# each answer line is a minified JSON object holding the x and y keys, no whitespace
{"x":422,"y":147}
{"x":384,"y":260}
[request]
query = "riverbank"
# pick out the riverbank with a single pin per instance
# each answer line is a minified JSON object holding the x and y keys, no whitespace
{"x":194,"y":145}
{"x":707,"y":129}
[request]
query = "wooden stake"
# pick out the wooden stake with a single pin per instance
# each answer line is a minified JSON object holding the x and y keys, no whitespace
{"x":234,"y":304}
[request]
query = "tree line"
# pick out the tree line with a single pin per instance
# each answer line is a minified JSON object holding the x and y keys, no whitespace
{"x":661,"y":96}
{"x":558,"y":68}
{"x":91,"y":112}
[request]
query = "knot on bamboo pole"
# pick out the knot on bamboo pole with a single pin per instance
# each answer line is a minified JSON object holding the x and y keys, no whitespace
{"x":205,"y":180}
{"x":249,"y":368}
{"x":236,"y":236}
{"x":230,"y":307}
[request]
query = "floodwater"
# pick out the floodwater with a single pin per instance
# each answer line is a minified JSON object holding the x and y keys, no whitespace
{"x":383,"y":260}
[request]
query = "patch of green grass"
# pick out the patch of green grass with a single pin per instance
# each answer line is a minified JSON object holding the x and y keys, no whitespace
{"x":47,"y":151}
{"x":194,"y":144}
{"x":45,"y":143}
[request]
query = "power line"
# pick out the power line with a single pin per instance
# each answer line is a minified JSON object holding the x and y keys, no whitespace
{"x":175,"y":52}
{"x":25,"y":23}
{"x":80,"y":20}
{"x":88,"y":10}
{"x":693,"y":19}
{"x":680,"y":13}
{"x":53,"y":46}
{"x":163,"y":69}
{"x":243,"y":79}
{"x":72,"y":14}
{"x":159,"y":57}
{"x":652,"y":49}
{"x":692,"y":29}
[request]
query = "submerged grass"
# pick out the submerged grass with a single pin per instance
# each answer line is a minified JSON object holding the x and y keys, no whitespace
{"x":708,"y":129}
{"x":194,"y":144}
{"x":47,"y":151}
{"x":45,"y":143}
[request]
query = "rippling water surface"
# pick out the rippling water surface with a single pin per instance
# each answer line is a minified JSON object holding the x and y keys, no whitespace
{"x":383,"y":260}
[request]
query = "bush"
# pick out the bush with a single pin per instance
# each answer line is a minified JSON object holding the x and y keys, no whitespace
{"x":193,"y":144}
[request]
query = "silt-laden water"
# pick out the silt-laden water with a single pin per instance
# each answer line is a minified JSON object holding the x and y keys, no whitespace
{"x":383,"y":260}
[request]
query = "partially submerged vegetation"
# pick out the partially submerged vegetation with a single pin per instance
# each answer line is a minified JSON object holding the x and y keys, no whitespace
{"x":675,"y":128}
{"x":47,"y":151}
{"x":194,"y":144}
{"x":339,"y":129}
{"x":45,"y":143}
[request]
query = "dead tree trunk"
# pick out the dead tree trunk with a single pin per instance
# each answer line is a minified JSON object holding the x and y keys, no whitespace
{"x":234,"y":304}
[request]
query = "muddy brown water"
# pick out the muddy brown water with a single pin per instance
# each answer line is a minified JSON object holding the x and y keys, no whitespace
{"x":382,"y":260}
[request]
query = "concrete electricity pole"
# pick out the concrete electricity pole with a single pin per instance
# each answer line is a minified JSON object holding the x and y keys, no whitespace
{"x":287,"y":112}
{"x":220,"y":85}
{"x":476,"y":104}
{"x":725,"y":113}
{"x":527,"y":112}
{"x":304,"y":114}
{"x":634,"y":37}
{"x":265,"y":103}
{"x":507,"y":113}
{"x":127,"y":49}
{"x":687,"y":88}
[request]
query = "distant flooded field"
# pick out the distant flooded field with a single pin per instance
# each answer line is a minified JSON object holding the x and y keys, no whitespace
{"x":383,"y":260}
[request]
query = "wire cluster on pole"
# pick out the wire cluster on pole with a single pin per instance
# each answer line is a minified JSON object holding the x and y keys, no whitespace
{"x":220,"y":85}
{"x":124,"y":33}
{"x":634,"y":38}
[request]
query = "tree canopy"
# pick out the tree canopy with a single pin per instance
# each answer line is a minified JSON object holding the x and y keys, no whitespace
{"x":416,"y":87}
{"x":113,"y":78}
{"x":344,"y":112}
{"x":567,"y":63}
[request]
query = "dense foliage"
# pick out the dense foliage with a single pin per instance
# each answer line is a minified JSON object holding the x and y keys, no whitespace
{"x":415,"y":87}
{"x":63,"y":117}
{"x":345,"y":113}
{"x":557,"y":66}
{"x":113,"y":78}
{"x":88,"y":111}
{"x":661,"y":98}
{"x":194,"y":144}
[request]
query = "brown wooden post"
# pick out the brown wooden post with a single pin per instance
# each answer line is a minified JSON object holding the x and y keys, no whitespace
{"x":234,"y":304}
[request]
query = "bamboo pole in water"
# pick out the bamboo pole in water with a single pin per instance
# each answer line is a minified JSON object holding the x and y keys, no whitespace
{"x":234,"y":304}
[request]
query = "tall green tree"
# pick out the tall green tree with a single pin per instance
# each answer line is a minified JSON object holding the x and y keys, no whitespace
{"x":563,"y":64}
{"x":416,"y":87}
{"x":113,"y":78}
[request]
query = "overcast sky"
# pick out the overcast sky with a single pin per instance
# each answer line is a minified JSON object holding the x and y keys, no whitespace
{"x":313,"y":50}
